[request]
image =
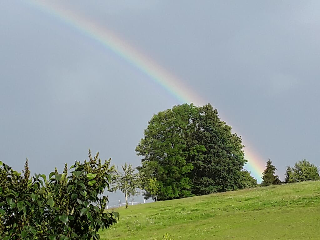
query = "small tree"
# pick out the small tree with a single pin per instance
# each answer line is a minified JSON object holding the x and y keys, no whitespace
{"x":268,"y":175}
{"x":302,"y":171}
{"x":151,"y":188}
{"x":247,"y":181}
{"x":127,"y":181}
{"x":289,"y":178}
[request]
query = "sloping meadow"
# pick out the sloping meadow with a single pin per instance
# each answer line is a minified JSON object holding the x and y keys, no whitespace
{"x":290,"y":211}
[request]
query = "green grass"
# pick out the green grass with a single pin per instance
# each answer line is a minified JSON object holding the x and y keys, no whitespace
{"x":289,"y":211}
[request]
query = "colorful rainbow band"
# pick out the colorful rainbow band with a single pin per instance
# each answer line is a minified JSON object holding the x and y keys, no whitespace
{"x":146,"y":65}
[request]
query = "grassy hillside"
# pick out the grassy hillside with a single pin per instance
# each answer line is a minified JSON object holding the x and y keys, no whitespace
{"x":289,"y":211}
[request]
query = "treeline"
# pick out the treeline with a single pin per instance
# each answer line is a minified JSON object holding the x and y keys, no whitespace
{"x":300,"y":172}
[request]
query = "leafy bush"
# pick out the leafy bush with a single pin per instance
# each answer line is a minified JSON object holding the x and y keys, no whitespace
{"x":61,"y":207}
{"x":302,"y":171}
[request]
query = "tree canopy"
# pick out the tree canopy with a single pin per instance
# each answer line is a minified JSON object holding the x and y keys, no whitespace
{"x":189,"y":151}
{"x":302,"y":171}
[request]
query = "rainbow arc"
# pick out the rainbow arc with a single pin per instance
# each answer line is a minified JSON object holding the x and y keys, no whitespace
{"x":154,"y":71}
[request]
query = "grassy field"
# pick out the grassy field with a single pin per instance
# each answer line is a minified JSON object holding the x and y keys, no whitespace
{"x":289,"y":211}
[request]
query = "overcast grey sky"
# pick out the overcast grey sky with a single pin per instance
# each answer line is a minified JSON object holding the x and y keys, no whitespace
{"x":62,"y":93}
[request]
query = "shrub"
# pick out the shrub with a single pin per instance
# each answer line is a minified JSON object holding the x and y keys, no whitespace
{"x":61,"y":207}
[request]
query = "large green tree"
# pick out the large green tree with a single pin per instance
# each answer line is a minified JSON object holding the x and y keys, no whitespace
{"x":302,"y":171}
{"x":189,"y":151}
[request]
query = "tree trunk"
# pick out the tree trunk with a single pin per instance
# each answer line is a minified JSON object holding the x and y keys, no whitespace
{"x":126,"y":195}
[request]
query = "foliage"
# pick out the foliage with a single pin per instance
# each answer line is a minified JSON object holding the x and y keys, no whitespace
{"x":247,"y":181}
{"x":190,"y":151}
{"x":268,"y":175}
{"x":215,"y":153}
{"x":302,"y":171}
{"x":289,"y":175}
{"x":281,"y":211}
{"x":150,"y":185}
{"x":152,"y":188}
{"x":60,"y":207}
{"x":127,"y":181}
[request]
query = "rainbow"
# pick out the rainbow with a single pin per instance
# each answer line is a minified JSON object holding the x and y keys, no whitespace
{"x":154,"y":71}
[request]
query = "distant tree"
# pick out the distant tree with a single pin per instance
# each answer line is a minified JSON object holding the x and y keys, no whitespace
{"x":268,"y":175}
{"x":247,"y":181}
{"x":289,"y":176}
{"x":127,"y":182}
{"x":151,"y":187}
{"x":190,"y":151}
{"x":302,"y":171}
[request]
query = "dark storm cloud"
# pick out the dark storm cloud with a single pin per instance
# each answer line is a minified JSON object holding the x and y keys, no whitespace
{"x":62,"y":93}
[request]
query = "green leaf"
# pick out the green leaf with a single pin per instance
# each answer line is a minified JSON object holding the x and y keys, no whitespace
{"x":83,"y":211}
{"x":92,"y":182}
{"x":16,"y":173}
{"x":44,"y":177}
{"x":76,"y":173}
{"x":20,"y":205}
{"x":24,"y":234}
{"x":63,"y":218}
{"x":32,"y":230}
{"x":2,"y":212}
{"x":69,"y":188}
{"x":1,"y":163}
{"x":83,"y":193}
{"x":89,"y":216}
{"x":74,"y":196}
{"x":51,"y":174}
{"x":33,"y":196}
{"x":50,"y":202}
{"x":11,"y":202}
{"x":58,"y":177}
{"x":91,"y":176}
{"x":82,"y":185}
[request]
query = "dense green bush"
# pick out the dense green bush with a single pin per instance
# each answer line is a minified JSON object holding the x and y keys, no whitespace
{"x":61,"y":207}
